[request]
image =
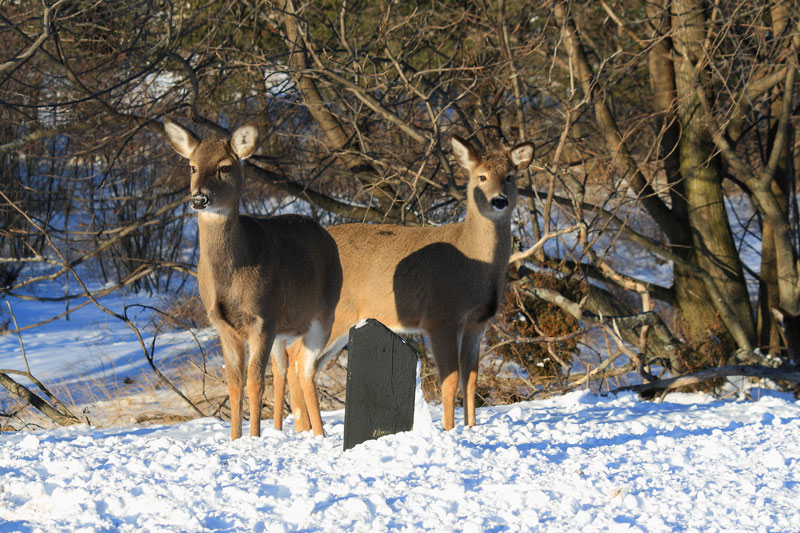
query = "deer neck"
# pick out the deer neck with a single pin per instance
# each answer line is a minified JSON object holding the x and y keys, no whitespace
{"x":485,"y":239}
{"x":219,"y":236}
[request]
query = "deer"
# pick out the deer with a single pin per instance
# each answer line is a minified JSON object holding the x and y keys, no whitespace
{"x":263,"y":281}
{"x":446,"y":282}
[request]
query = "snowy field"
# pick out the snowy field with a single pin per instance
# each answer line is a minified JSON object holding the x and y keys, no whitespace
{"x":580,"y":462}
{"x":576,"y":463}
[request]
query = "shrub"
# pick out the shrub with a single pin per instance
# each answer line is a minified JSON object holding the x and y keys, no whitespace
{"x":535,"y":334}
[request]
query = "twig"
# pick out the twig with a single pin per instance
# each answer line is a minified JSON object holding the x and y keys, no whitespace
{"x":519,"y":256}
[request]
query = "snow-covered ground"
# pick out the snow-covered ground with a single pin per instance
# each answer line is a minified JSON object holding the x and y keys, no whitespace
{"x":575,"y":463}
{"x":580,"y":462}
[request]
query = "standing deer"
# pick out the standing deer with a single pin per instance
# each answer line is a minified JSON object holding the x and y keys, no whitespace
{"x":445,"y":281}
{"x":262,"y":280}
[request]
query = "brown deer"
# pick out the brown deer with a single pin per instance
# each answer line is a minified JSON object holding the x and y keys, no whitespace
{"x":262,"y":280}
{"x":445,"y":281}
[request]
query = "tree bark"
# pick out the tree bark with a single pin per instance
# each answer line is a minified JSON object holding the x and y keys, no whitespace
{"x":21,"y":392}
{"x":688,"y":290}
{"x":769,"y":294}
{"x":712,"y":239}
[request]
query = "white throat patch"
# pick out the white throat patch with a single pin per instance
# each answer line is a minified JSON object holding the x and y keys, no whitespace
{"x":211,"y":214}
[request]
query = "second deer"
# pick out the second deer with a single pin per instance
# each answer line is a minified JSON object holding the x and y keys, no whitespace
{"x":262,"y":280}
{"x":445,"y":281}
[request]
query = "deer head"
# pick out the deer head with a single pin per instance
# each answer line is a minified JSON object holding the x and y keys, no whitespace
{"x":492,"y":186}
{"x":215,"y":164}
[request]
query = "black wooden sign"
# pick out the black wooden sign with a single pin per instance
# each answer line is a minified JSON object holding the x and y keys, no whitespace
{"x":380,"y":384}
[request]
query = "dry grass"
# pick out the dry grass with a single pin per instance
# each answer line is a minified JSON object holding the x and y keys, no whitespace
{"x":146,"y":400}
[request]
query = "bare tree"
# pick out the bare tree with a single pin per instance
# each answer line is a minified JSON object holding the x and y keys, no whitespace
{"x":665,"y":136}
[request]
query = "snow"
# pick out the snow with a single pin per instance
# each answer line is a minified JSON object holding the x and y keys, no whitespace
{"x":578,"y":462}
{"x":91,"y":353}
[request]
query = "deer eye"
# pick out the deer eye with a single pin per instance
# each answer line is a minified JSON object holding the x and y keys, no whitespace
{"x":509,"y":178}
{"x":193,"y":169}
{"x":224,"y":169}
{"x":482,"y":177}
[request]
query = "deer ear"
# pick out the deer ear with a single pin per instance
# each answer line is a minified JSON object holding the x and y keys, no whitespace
{"x":182,"y":140}
{"x":466,"y":156}
{"x":521,"y":155}
{"x":244,"y":141}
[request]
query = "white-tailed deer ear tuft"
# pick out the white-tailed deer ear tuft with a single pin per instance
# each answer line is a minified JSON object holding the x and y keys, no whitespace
{"x":244,"y":141}
{"x":522,"y":155}
{"x":182,"y":140}
{"x":466,"y":156}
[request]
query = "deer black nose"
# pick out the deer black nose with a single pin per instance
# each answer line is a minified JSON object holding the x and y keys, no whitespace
{"x":199,"y":201}
{"x":500,"y":202}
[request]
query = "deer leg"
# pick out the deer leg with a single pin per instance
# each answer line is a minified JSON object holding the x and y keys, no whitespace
{"x":298,"y":403}
{"x":468,"y":372}
{"x":445,"y":352}
{"x":261,"y":339}
{"x":233,"y":353}
{"x":307,"y":384}
{"x":279,"y":364}
{"x":306,"y":366}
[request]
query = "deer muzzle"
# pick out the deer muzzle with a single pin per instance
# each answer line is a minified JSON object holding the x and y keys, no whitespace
{"x":500,"y":202}
{"x":199,"y":201}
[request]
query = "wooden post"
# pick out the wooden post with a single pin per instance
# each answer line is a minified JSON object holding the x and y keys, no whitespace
{"x":380,"y":384}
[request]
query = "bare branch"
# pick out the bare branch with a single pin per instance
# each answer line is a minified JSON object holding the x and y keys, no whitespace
{"x":48,"y":27}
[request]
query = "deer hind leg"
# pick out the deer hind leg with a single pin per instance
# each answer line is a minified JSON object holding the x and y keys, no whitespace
{"x":233,"y":353}
{"x":306,"y":374}
{"x":445,"y":351}
{"x":261,"y":340}
{"x":312,"y":344}
{"x":468,"y":372}
{"x":279,"y":364}
{"x":296,"y":400}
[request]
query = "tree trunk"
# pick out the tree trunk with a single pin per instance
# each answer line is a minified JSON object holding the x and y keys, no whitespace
{"x":336,"y":135}
{"x":712,"y":240}
{"x":769,"y":296}
{"x":691,"y":297}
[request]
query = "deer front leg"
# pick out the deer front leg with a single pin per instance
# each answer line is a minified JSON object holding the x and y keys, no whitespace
{"x":233,"y":354}
{"x":468,"y":371}
{"x":261,"y":339}
{"x":445,"y":352}
{"x":279,"y":363}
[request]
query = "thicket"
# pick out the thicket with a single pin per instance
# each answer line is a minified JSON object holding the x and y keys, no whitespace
{"x":663,"y":198}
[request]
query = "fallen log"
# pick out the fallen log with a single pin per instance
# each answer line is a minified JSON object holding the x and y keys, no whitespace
{"x":754,"y":371}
